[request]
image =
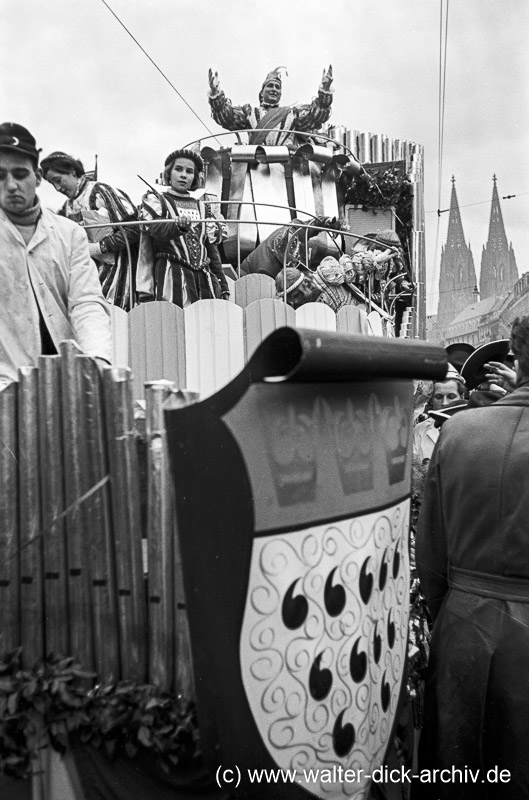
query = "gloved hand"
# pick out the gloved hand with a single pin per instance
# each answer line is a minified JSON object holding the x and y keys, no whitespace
{"x":183,"y":223}
{"x":333,"y":223}
{"x":326,"y":80}
{"x":214,"y":85}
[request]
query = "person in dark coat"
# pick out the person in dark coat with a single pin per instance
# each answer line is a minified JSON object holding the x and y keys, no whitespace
{"x":473,"y":562}
{"x":286,"y":244}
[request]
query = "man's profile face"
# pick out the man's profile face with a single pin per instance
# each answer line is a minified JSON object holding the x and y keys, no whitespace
{"x":444,"y":393}
{"x":272,"y":92}
{"x":19,"y":179}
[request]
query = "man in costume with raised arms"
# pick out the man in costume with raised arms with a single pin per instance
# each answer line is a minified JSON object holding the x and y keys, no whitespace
{"x":270,"y":116}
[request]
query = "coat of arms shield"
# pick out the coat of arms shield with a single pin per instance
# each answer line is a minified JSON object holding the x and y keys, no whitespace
{"x":293,"y":500}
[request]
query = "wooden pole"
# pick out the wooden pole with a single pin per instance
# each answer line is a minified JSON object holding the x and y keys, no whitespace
{"x":98,"y":526}
{"x":184,"y":681}
{"x":75,"y":485}
{"x":57,"y":638}
{"x":9,"y":528}
{"x":31,"y":561}
{"x":160,"y":541}
{"x":124,"y":480}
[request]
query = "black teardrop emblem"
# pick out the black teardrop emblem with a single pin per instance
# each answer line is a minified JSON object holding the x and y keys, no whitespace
{"x":357,"y":663}
{"x":343,"y":738}
{"x":377,"y":644}
{"x":366,"y":582}
{"x":320,"y":680}
{"x":391,"y":631}
{"x":294,"y":609}
{"x":383,"y":574}
{"x":334,"y":596}
{"x":385,"y":693}
{"x":396,"y":563}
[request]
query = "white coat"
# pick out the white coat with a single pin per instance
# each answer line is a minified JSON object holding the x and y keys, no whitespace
{"x":53,"y":274}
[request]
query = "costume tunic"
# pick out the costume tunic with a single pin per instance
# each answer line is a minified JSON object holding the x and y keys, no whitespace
{"x":54,"y":279}
{"x":177,"y":266}
{"x":269,"y":256}
{"x":97,"y":202}
{"x":473,"y":561}
{"x":336,"y":296}
{"x":289,"y":119}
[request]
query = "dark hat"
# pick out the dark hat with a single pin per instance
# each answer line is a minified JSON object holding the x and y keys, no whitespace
{"x":383,"y":239}
{"x":18,"y":139}
{"x":62,"y":162}
{"x":273,"y":75}
{"x":473,"y":370}
{"x":388,"y":238}
{"x":458,"y":352}
{"x":442,"y":414}
{"x":184,"y":152}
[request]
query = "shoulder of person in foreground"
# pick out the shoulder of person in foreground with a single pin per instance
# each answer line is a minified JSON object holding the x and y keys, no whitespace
{"x":88,"y":310}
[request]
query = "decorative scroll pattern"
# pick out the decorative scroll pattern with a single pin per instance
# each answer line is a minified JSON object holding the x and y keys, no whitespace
{"x":323,"y":644}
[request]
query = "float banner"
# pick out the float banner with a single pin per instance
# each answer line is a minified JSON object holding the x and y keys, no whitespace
{"x":293,"y":497}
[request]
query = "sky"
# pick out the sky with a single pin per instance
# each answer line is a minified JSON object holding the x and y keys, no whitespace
{"x":75,"y":78}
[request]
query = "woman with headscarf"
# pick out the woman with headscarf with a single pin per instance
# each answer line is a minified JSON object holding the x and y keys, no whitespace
{"x":114,"y":249}
{"x":329,"y":277}
{"x":179,"y":258}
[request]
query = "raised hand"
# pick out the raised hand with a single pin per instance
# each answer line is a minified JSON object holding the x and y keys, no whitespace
{"x":326,"y":80}
{"x":184,"y":223}
{"x":214,"y":84}
{"x":501,"y":374}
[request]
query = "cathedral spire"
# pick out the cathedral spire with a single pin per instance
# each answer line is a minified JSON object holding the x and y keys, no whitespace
{"x":499,"y":271}
{"x":457,"y":277}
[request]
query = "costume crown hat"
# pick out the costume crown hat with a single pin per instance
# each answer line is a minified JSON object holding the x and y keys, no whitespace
{"x":18,"y":139}
{"x":452,"y":373}
{"x":274,"y":75}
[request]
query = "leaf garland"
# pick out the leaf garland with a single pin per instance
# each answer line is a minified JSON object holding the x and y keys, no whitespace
{"x":380,"y":187}
{"x":54,"y":699}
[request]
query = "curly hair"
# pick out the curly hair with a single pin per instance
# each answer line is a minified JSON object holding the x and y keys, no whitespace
{"x":520,"y":343}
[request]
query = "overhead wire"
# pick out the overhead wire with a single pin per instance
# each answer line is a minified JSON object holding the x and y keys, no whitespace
{"x":162,"y":73}
{"x":443,"y":43}
{"x":477,"y":203}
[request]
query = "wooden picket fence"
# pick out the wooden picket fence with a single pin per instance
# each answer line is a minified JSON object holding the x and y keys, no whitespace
{"x":80,"y":574}
{"x":202,"y":347}
{"x":89,"y":557}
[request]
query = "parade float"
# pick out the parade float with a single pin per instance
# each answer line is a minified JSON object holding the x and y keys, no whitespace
{"x":204,"y":550}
